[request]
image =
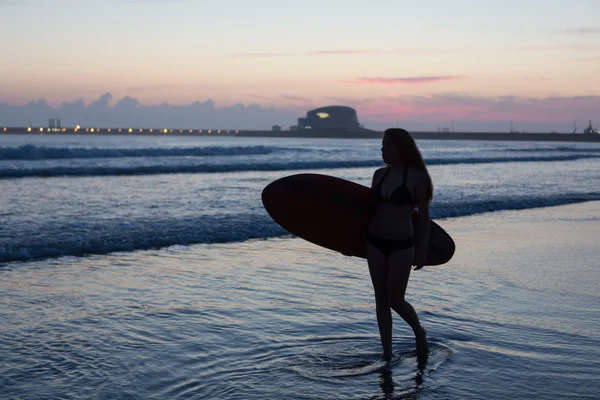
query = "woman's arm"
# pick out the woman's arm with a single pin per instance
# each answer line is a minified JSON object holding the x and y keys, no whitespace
{"x":422,"y":226}
{"x":375,"y":178}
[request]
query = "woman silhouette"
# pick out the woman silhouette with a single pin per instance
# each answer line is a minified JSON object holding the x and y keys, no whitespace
{"x":392,"y":246}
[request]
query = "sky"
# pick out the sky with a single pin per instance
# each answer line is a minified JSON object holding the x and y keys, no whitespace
{"x":252,"y":64}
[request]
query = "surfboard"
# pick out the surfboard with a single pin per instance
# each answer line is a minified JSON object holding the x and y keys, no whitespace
{"x":335,"y":213}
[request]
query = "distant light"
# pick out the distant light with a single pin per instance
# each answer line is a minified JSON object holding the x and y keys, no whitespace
{"x":190,"y":131}
{"x":78,"y":127}
{"x":29,"y":129}
{"x":4,"y":129}
{"x":219,"y":131}
{"x":237,"y":131}
{"x":181,"y":131}
{"x":171,"y":131}
{"x":108,"y":129}
{"x":200,"y":131}
{"x":227,"y":130}
{"x":209,"y":131}
{"x":87,"y":129}
{"x":64,"y":129}
{"x":92,"y":130}
{"x":130,"y":130}
{"x":119,"y":130}
{"x":151,"y":130}
{"x":141,"y":130}
{"x":322,"y":115}
{"x":165,"y":131}
{"x":97,"y":129}
{"x":41,"y":129}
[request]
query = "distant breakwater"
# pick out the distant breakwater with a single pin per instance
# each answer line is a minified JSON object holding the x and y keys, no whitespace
{"x":330,"y":134}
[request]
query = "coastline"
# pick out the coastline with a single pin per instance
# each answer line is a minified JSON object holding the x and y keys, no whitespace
{"x":315,"y":134}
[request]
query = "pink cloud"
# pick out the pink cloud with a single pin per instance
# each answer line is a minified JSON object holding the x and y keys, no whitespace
{"x":414,"y":80}
{"x":297,"y":99}
{"x":278,"y":98}
{"x":460,"y":106}
{"x":260,"y":97}
{"x":167,"y":86}
{"x":414,"y":112}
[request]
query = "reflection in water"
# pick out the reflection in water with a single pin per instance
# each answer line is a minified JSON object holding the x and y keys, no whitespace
{"x":388,"y":387}
{"x":386,"y":383}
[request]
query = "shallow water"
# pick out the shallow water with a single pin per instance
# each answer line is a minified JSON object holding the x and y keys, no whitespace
{"x":514,"y":314}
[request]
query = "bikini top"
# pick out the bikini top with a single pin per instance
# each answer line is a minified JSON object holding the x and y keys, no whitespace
{"x":400,"y":197}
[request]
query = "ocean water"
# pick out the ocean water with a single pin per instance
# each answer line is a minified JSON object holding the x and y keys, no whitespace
{"x":146,"y":267}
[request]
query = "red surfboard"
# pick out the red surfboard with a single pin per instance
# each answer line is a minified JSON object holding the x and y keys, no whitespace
{"x":335,"y":213}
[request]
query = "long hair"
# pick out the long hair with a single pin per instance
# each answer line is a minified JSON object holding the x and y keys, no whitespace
{"x":409,"y":154}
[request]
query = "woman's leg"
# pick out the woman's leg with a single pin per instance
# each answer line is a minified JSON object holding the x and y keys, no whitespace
{"x":399,"y":267}
{"x":377,"y":268}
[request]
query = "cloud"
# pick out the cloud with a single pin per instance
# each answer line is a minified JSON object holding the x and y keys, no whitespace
{"x":260,"y":96}
{"x":130,"y":112}
{"x":166,"y":86}
{"x":507,"y":107}
{"x":474,"y":112}
{"x":413,"y":112}
{"x":103,"y":102}
{"x":583,"y":31}
{"x":286,"y":101}
{"x":297,"y":98}
{"x":127,"y":103}
{"x":415,"y":80}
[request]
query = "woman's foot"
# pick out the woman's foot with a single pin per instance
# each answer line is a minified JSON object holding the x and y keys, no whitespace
{"x":386,"y":357}
{"x":422,"y":347}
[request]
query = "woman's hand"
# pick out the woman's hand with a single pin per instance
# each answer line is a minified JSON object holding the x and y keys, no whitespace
{"x":419,"y":259}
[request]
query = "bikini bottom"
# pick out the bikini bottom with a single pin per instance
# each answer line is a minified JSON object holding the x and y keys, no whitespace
{"x":388,"y":246}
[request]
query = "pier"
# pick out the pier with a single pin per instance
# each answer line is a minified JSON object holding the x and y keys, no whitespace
{"x":332,"y":134}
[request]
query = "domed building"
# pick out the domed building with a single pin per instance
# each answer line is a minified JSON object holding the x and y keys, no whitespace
{"x":331,"y":117}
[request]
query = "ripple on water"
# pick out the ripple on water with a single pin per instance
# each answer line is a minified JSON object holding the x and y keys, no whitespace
{"x":337,"y":357}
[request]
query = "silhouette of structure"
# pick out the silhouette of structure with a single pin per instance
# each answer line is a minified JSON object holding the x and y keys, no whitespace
{"x":54,"y":125}
{"x":590,"y":130}
{"x":325,"y":122}
{"x":339,"y":118}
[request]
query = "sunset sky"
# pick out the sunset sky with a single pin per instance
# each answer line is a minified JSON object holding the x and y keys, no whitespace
{"x":423,"y":63}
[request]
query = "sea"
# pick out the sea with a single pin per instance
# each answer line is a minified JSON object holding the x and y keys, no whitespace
{"x":137,"y":267}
